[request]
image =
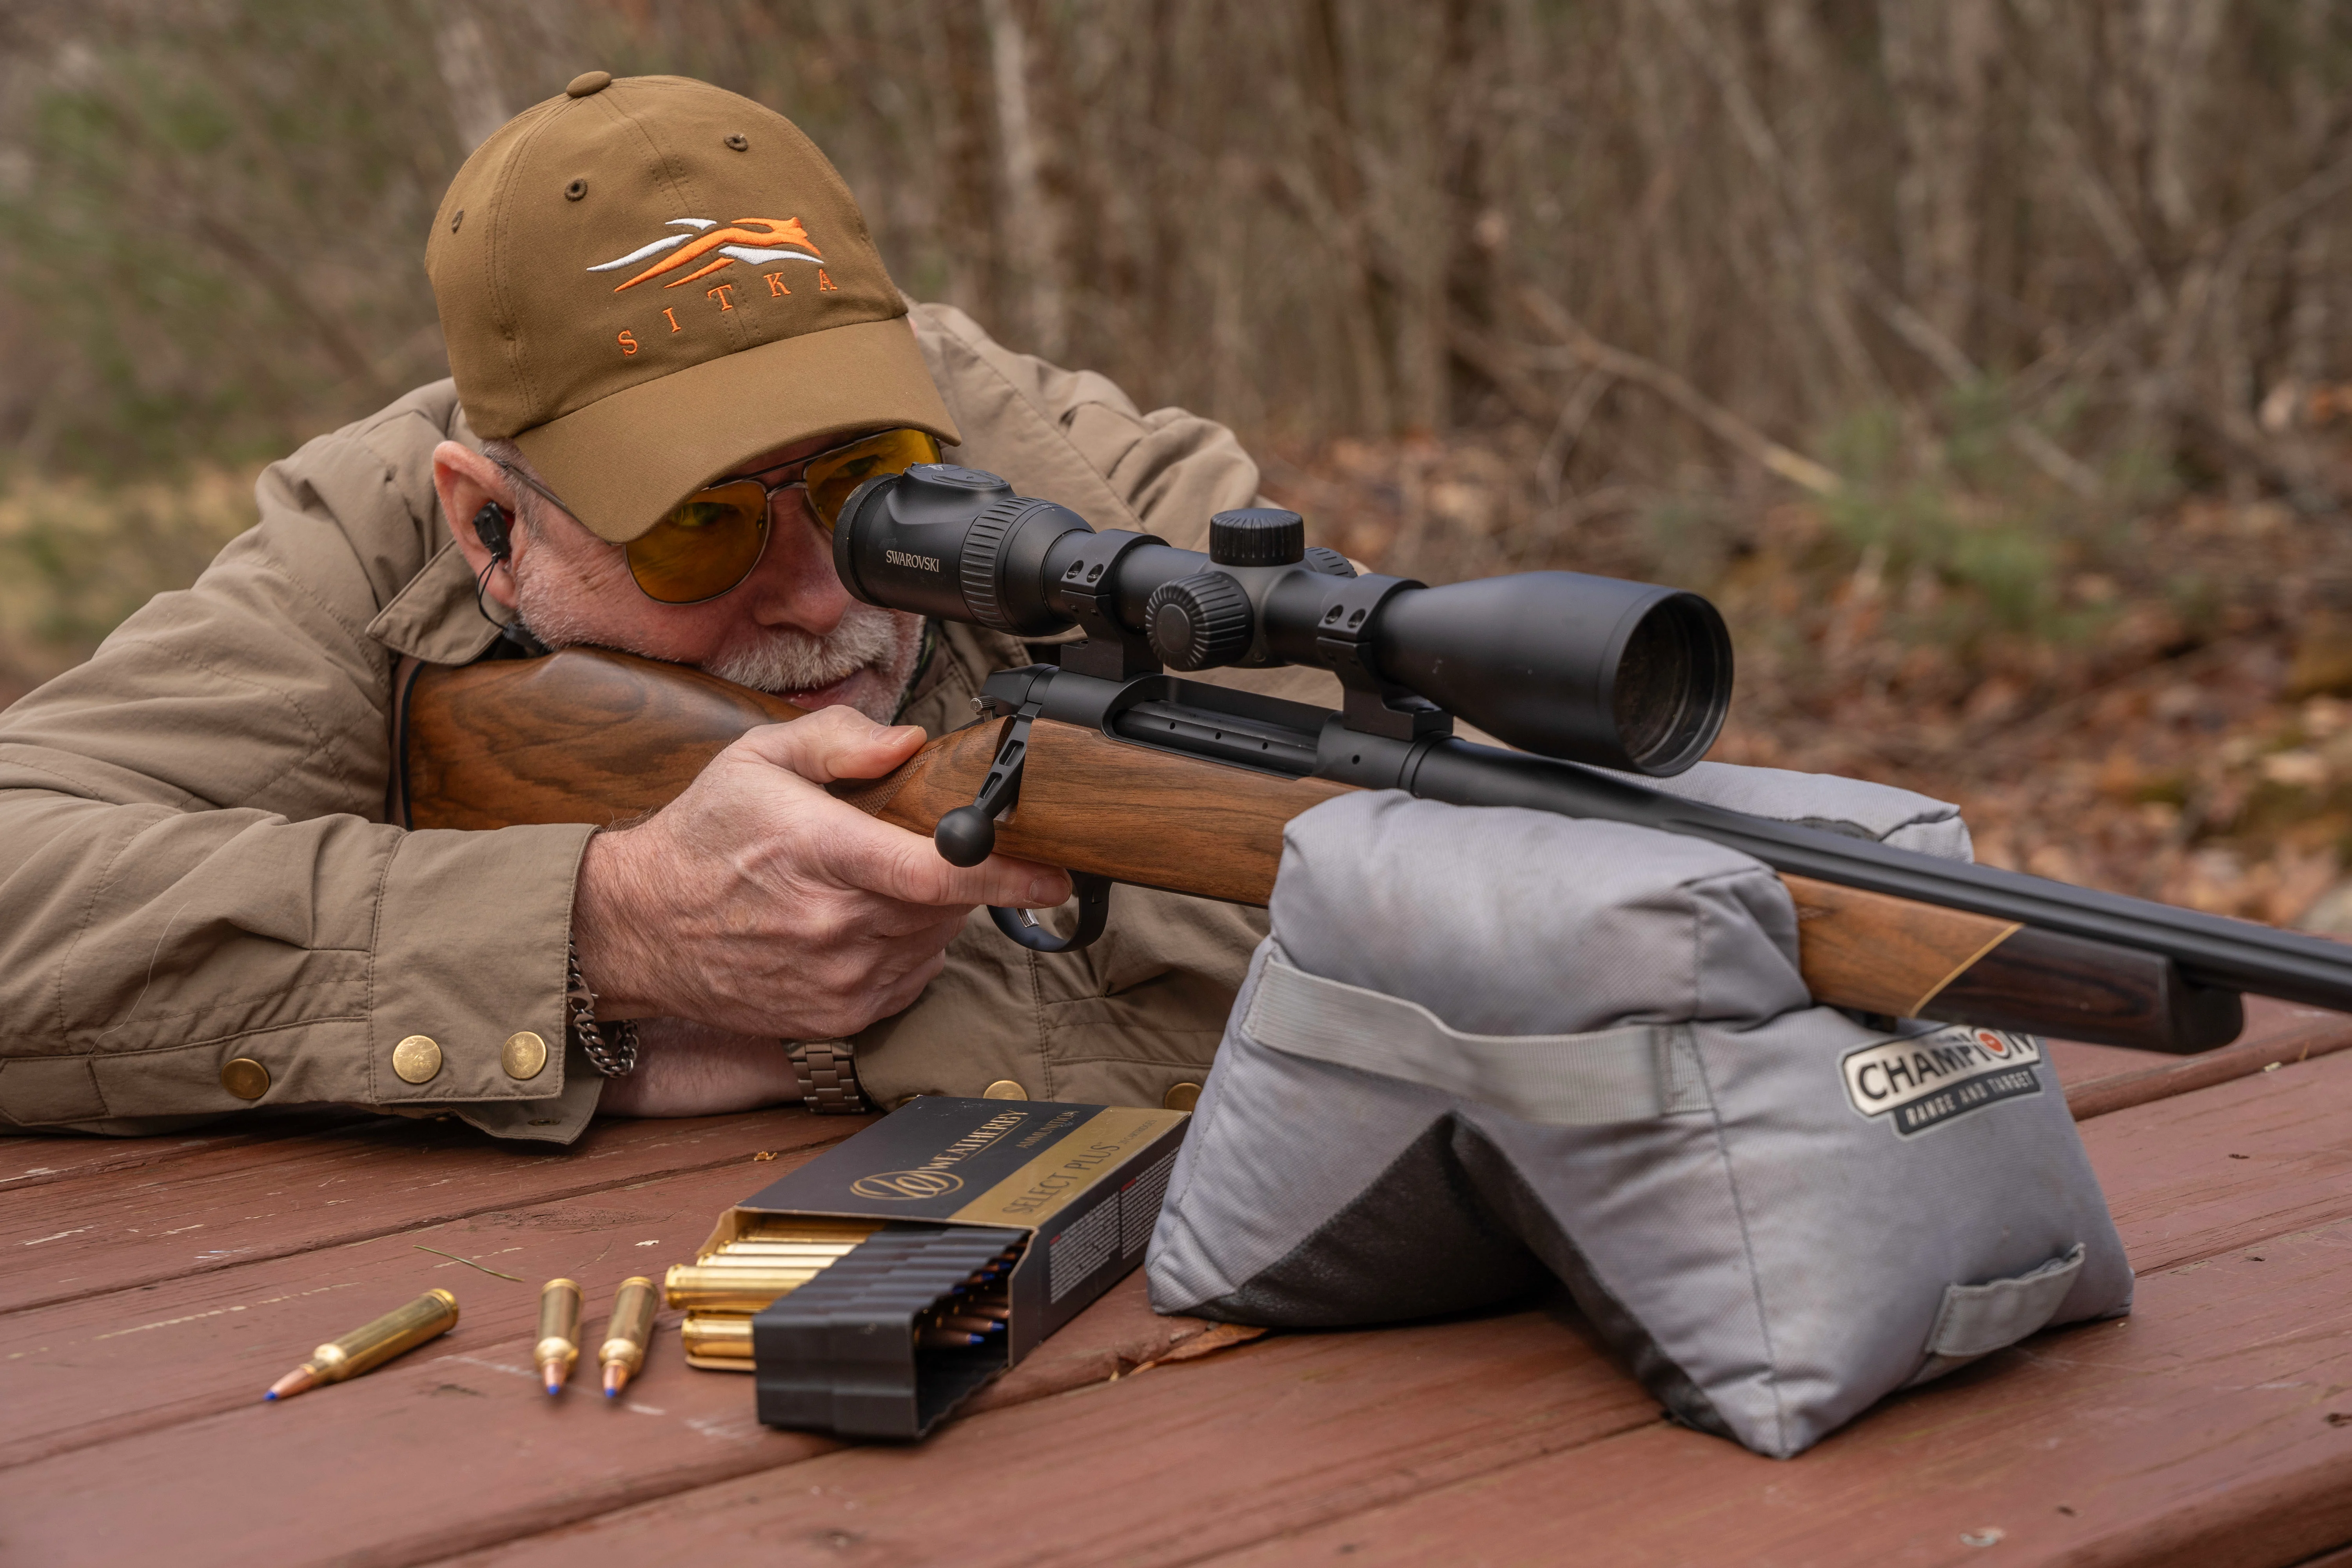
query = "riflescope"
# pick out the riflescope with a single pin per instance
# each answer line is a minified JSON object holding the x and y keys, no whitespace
{"x":1590,"y":669}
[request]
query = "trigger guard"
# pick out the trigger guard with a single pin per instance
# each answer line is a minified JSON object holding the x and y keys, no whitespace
{"x":1094,"y":914}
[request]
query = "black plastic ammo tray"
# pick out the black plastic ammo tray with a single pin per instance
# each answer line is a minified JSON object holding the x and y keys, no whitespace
{"x":840,"y":1353}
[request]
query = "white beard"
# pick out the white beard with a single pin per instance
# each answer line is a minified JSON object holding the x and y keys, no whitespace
{"x":886,"y":642}
{"x":883,"y":645}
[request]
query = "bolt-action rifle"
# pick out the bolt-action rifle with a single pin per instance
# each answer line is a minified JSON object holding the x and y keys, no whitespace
{"x":1105,"y":764}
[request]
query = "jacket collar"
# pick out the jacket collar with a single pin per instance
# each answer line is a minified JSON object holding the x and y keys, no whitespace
{"x":434,"y":617}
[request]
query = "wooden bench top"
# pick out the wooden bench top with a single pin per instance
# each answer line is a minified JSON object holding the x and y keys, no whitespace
{"x":155,"y":1286}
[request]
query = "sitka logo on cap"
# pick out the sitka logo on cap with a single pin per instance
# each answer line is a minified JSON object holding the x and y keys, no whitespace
{"x":907,"y":1184}
{"x":1928,"y":1080}
{"x":757,"y":240}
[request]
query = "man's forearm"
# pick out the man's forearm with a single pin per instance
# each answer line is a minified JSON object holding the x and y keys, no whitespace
{"x":689,"y":1069}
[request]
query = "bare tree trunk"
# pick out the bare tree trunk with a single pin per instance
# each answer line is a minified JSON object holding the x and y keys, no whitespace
{"x":2176,"y":49}
{"x":2317,"y":113}
{"x":462,"y":51}
{"x":1938,"y":57}
{"x":1806,"y":236}
{"x":967,"y":218}
{"x":1334,"y":134}
{"x":1035,"y":249}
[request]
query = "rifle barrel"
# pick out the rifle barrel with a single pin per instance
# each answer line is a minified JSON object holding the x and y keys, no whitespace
{"x":2211,"y":949}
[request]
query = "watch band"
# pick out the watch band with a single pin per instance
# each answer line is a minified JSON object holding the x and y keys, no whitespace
{"x":827,"y":1071}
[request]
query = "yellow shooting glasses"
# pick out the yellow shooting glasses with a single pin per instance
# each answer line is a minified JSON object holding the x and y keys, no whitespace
{"x":712,"y":539}
{"x":710,"y":542}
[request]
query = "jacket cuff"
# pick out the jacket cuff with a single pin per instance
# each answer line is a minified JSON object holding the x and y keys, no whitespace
{"x":465,"y":984}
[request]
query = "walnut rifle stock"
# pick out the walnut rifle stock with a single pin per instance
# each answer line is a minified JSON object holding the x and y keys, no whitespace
{"x":589,"y":736}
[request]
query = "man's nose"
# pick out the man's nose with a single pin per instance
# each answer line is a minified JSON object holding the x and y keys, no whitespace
{"x":795,"y":585}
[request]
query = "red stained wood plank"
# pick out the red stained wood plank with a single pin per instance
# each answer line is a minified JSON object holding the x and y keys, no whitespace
{"x":2192,"y":1175}
{"x":228,"y":1206}
{"x":166,"y":1381}
{"x":1110,"y":1339}
{"x":1160,"y":1468}
{"x":2285,"y":1114}
{"x":28,"y":1163}
{"x":96,"y":1368}
{"x":2102,"y":1078}
{"x":1269,"y":1442}
{"x":2197,"y":1432}
{"x":2212,"y":1428}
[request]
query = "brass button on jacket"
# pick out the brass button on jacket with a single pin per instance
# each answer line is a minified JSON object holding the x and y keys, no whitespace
{"x":245,"y":1079}
{"x":416,"y":1058}
{"x":1181,"y":1097}
{"x":1005,"y":1089}
{"x":524,"y":1054}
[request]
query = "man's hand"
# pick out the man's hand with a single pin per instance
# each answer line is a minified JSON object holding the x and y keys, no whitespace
{"x":756,"y":903}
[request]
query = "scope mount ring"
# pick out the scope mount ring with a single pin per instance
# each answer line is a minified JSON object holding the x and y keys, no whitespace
{"x":1087,"y":593}
{"x":1375,"y":705}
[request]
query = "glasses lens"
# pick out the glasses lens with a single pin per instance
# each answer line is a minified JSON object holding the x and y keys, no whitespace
{"x":832,"y":477}
{"x":708,"y":543}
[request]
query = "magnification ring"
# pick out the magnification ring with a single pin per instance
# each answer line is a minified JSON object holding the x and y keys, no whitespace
{"x":983,"y":547}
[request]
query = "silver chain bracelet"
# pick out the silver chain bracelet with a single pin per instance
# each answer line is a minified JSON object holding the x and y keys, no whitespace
{"x":611,"y":1049}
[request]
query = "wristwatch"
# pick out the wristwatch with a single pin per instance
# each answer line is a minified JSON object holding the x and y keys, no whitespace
{"x":828,"y":1076}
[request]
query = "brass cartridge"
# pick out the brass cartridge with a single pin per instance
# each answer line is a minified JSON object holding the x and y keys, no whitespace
{"x":694,"y":1285}
{"x":727,"y":1257}
{"x":717,"y":1342}
{"x":626,"y":1336}
{"x":372,"y":1345}
{"x":764,"y":1247}
{"x":559,"y":1332}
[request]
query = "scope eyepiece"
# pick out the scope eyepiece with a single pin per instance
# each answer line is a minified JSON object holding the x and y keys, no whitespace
{"x":953,"y":542}
{"x":1592,"y":669}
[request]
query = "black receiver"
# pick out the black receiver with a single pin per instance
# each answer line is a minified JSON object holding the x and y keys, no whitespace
{"x":1591,"y":669}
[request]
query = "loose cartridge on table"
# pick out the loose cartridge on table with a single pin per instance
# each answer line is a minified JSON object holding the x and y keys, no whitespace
{"x":372,"y":1345}
{"x":628,"y":1333}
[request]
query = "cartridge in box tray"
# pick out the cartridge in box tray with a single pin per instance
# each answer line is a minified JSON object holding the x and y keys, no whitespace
{"x":1000,"y":1221}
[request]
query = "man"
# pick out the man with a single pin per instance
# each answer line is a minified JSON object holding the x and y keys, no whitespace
{"x":673,"y":346}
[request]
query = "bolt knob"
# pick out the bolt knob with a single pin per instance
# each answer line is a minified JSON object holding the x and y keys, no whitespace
{"x":1199,"y":622}
{"x":1257,"y":536}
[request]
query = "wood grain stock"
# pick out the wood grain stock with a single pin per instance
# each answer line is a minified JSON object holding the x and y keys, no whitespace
{"x":1126,"y":812}
{"x":589,"y":736}
{"x":583,"y":735}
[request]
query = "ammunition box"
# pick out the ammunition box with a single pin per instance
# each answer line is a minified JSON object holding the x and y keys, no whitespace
{"x":975,"y":1212}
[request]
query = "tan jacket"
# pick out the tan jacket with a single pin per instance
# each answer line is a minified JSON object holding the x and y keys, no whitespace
{"x":196,"y":868}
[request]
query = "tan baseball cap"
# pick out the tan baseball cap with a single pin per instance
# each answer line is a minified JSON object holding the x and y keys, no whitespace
{"x":647,"y":281}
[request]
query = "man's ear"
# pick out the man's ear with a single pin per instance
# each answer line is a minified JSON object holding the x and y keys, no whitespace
{"x":467,"y":481}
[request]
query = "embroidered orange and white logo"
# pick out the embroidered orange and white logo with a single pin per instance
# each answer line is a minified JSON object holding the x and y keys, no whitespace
{"x":757,"y":240}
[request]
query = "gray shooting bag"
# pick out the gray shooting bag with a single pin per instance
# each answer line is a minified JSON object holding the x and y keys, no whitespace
{"x":1486,"y":1049}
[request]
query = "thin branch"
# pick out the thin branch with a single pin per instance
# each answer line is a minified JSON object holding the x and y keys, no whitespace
{"x":1716,"y":419}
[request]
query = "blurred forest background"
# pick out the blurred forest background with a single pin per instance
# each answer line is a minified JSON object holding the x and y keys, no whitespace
{"x":1990,"y":361}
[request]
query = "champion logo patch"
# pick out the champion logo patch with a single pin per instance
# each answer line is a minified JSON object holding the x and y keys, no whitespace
{"x":1929,"y":1080}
